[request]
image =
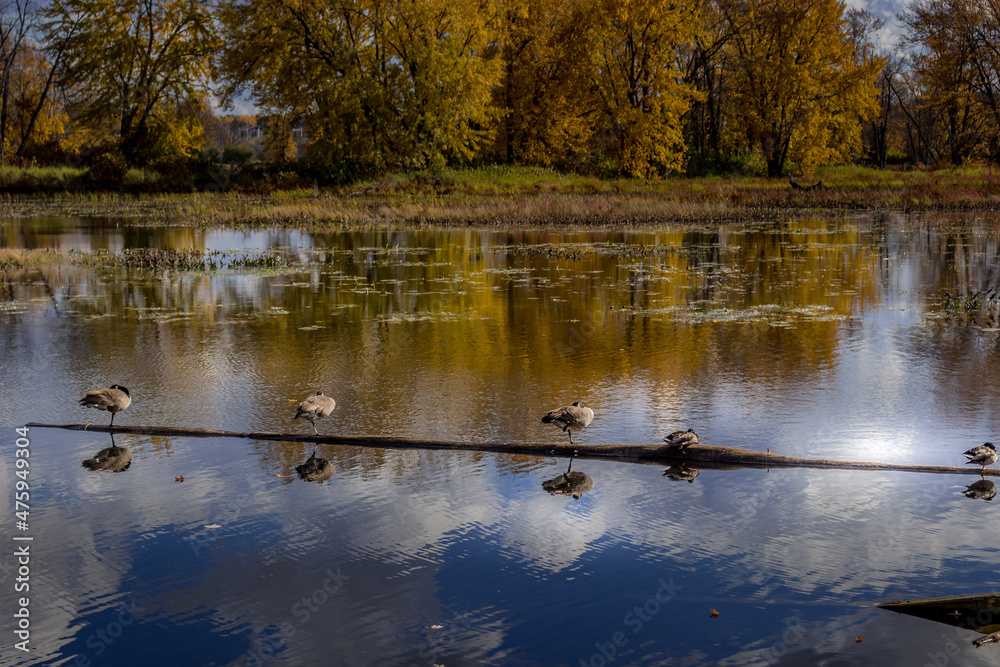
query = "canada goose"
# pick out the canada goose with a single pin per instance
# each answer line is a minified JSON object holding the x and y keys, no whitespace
{"x":984,"y":454}
{"x":113,"y":399}
{"x":683,"y":438}
{"x":570,"y":417}
{"x":315,"y":407}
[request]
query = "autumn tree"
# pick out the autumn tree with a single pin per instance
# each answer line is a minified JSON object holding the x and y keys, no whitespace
{"x":35,"y":120}
{"x":703,"y":63}
{"x":955,"y":52}
{"x":545,"y":93}
{"x":134,"y":66}
{"x":379,"y":84}
{"x":798,"y":89}
{"x":641,"y":97}
{"x":17,"y":18}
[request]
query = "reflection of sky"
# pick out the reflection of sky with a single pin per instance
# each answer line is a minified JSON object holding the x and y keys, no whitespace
{"x":462,"y":558}
{"x":510,"y":574}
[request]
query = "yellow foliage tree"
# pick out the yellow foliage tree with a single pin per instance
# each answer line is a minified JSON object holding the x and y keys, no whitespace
{"x":798,"y":88}
{"x":639,"y":90}
{"x":398,"y":83}
{"x":549,"y":109}
{"x":130,"y":65}
{"x":26,"y":87}
{"x":957,"y":65}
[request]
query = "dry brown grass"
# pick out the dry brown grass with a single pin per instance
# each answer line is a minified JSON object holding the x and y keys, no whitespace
{"x":542,"y":198}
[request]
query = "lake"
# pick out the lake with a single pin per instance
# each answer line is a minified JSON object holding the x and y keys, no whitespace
{"x":851,"y":337}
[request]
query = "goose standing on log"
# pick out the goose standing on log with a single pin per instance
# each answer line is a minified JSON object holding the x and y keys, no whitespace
{"x":984,"y":454}
{"x":315,"y":407}
{"x":570,"y":417}
{"x":113,"y":399}
{"x":683,"y":438}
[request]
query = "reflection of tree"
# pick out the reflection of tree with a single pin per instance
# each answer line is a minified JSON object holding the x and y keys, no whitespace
{"x":431,"y":319}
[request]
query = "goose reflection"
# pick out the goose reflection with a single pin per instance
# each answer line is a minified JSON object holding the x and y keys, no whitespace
{"x":681,"y":473}
{"x":984,"y":489}
{"x":110,"y":459}
{"x":315,"y":469}
{"x":569,"y":483}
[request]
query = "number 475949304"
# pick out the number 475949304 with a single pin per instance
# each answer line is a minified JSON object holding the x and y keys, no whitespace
{"x":21,"y":455}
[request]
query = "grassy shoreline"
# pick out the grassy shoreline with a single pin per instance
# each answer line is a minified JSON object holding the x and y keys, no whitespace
{"x":507,"y":196}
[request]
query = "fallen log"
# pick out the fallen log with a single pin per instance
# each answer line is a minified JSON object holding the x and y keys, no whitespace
{"x":979,"y":612}
{"x":707,"y":456}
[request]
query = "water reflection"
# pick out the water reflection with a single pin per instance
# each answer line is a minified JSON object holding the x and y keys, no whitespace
{"x":984,"y":489}
{"x":570,"y":483}
{"x":315,"y":469}
{"x":110,"y":459}
{"x":815,"y":338}
{"x":681,"y":473}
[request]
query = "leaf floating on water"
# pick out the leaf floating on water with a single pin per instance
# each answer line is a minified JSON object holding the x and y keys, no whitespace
{"x":857,"y":639}
{"x":281,"y":474}
{"x":715,"y":614}
{"x":179,"y":479}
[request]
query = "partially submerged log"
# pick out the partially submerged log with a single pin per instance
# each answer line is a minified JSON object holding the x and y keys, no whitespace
{"x":705,"y":456}
{"x":978,"y":612}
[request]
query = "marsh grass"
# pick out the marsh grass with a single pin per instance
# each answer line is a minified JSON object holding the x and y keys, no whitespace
{"x":526,"y":195}
{"x":13,"y":259}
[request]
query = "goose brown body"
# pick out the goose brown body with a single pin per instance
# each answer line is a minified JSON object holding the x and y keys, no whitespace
{"x":112,"y":399}
{"x":315,"y":407}
{"x":683,"y":438}
{"x":570,"y":417}
{"x":984,"y":454}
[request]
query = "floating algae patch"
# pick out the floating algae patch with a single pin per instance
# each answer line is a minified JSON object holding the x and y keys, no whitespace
{"x":424,"y":317}
{"x":13,"y":307}
{"x":772,"y":314}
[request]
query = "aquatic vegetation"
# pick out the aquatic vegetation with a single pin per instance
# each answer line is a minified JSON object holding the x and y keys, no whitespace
{"x":162,"y":258}
{"x":981,"y":308}
{"x":194,"y":260}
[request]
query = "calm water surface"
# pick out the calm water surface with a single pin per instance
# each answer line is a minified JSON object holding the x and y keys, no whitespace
{"x":812,"y":338}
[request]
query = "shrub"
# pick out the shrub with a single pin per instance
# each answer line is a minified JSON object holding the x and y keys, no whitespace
{"x":108,"y":170}
{"x":177,"y":173}
{"x":237,"y":154}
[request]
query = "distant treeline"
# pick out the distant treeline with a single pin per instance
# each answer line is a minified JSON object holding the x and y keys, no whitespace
{"x":354,"y":88}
